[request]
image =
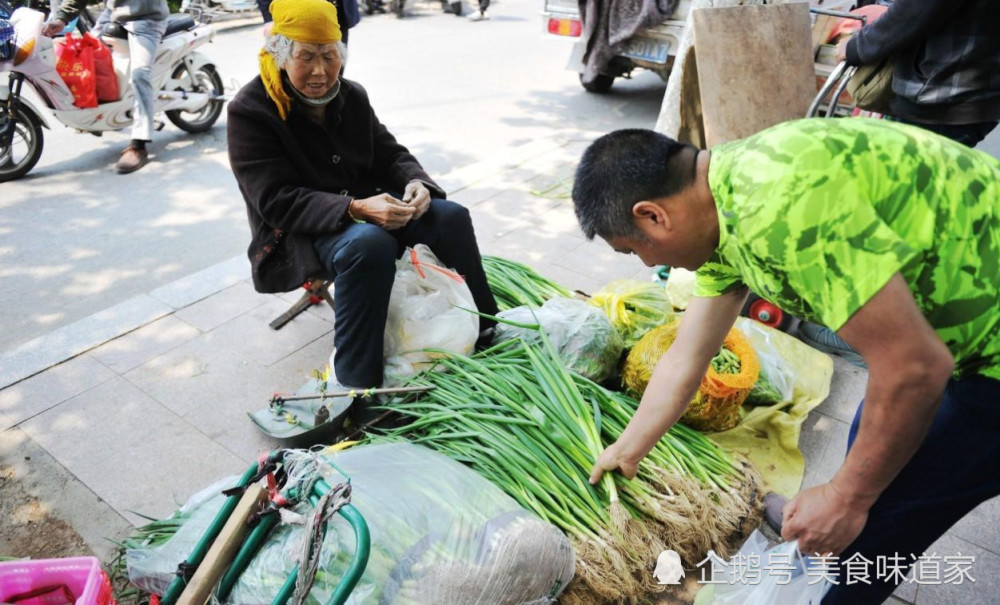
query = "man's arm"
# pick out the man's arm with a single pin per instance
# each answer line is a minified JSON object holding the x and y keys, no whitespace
{"x":909,"y":367}
{"x":674,"y":382}
{"x":906,"y":23}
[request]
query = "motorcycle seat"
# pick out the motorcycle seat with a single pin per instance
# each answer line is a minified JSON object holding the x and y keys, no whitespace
{"x":175,"y":23}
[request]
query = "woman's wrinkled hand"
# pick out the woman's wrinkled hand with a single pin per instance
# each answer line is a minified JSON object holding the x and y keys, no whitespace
{"x":383,"y":210}
{"x":417,"y":195}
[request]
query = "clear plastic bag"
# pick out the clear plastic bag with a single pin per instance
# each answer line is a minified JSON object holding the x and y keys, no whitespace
{"x":152,"y":569}
{"x":777,"y":379}
{"x":582,"y":334}
{"x":785,"y":577}
{"x":440,"y":535}
{"x":425,"y":313}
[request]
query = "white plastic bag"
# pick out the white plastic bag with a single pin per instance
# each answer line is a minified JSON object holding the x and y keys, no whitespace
{"x":426,"y":311}
{"x":785,"y":577}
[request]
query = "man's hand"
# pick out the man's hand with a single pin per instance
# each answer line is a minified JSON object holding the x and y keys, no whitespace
{"x":612,"y":458}
{"x":417,"y":195}
{"x":823,"y":520}
{"x":383,"y":210}
{"x":53,"y":27}
{"x":841,"y":52}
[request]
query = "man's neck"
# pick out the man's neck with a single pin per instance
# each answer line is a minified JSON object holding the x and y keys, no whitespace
{"x":704,"y":198}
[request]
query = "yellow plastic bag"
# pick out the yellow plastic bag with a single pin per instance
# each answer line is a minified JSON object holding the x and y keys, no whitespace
{"x":634,"y":307}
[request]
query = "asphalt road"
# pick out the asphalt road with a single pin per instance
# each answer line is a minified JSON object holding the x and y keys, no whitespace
{"x":76,"y":238}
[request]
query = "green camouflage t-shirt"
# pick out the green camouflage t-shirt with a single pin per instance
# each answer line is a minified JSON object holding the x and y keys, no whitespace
{"x":817,"y":215}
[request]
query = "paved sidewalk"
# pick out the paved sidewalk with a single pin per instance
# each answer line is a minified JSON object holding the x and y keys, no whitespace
{"x":134,"y":409}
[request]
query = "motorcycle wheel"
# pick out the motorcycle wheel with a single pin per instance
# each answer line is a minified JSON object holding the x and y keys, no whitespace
{"x":208,"y":81}
{"x":398,"y":8}
{"x":25,"y":147}
{"x":456,"y":9}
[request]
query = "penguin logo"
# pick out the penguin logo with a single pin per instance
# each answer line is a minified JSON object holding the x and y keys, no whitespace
{"x":668,"y":568}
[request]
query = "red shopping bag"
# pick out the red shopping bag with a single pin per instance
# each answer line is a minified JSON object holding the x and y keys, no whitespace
{"x":76,"y":67}
{"x":104,"y":68}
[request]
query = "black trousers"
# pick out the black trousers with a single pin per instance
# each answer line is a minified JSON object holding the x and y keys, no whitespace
{"x":967,"y":134}
{"x":361,"y":260}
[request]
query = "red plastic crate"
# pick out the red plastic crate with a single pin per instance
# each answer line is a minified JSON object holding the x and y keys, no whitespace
{"x":83,"y":576}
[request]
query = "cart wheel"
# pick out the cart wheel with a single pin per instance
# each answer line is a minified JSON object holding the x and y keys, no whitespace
{"x":767,"y":313}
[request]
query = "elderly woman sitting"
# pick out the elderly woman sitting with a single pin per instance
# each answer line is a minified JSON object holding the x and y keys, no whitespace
{"x":318,"y":172}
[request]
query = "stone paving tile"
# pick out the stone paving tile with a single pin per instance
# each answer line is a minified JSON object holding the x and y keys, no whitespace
{"x":981,"y":526}
{"x":71,"y":340}
{"x":152,"y":340}
{"x":131,"y":451}
{"x":62,"y":495}
{"x":598,"y":260}
{"x":985,"y":570}
{"x":212,"y":388}
{"x":33,"y":396}
{"x":847,"y":390}
{"x":251,"y":337}
{"x":824,"y":444}
{"x":204,"y":283}
{"x":210,"y":313}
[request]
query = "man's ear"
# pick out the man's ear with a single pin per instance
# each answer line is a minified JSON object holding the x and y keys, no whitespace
{"x":650,"y":215}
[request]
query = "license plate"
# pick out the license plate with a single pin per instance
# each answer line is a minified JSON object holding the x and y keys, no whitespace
{"x":645,"y":49}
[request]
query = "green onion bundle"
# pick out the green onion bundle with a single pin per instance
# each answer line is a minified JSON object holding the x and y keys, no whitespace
{"x":514,"y":284}
{"x":726,"y":362}
{"x":520,"y":419}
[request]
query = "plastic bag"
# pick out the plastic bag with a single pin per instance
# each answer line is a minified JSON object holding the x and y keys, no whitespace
{"x":76,"y":67}
{"x":634,"y":307}
{"x":583,"y":335}
{"x":152,"y":569}
{"x":104,"y":71}
{"x":425,"y":313}
{"x":440,"y":534}
{"x":680,"y":287}
{"x":777,"y":380}
{"x":805,"y":577}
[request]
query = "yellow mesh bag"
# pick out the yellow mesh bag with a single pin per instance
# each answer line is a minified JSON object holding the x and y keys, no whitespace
{"x":716,"y":405}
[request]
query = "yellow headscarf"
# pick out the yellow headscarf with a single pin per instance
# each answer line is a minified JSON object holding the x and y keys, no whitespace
{"x":305,"y":21}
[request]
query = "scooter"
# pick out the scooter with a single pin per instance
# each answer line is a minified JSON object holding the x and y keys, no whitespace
{"x":190,"y":90}
{"x":216,"y":10}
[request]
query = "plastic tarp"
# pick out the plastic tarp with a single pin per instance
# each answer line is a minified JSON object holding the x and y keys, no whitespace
{"x":440,"y":534}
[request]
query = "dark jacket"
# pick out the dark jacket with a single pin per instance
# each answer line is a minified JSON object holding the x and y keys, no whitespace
{"x":298,"y":177}
{"x":947,"y":58}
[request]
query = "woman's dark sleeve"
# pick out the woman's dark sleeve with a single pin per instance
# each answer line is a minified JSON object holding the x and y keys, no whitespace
{"x":267,"y":178}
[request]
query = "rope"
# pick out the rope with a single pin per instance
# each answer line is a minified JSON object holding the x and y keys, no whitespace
{"x":312,"y":539}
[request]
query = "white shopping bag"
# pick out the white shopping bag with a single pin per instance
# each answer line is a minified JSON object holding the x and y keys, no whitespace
{"x":785,"y":577}
{"x":427,"y":310}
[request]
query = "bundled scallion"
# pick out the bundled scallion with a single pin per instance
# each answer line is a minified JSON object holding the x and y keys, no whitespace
{"x":515,"y":284}
{"x":519,"y":418}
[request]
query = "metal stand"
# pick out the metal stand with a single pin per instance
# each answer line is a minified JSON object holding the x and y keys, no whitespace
{"x":317,"y":291}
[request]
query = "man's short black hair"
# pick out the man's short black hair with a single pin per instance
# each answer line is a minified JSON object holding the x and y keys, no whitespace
{"x":623,"y":168}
